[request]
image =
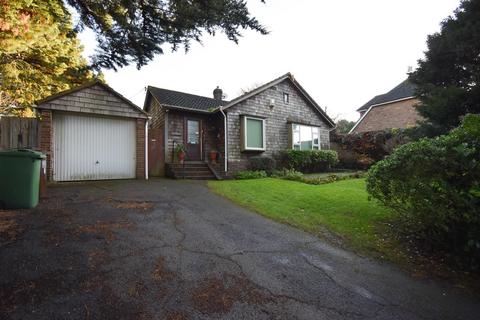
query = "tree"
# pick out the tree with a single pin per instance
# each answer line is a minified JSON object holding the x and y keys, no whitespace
{"x":134,"y":31}
{"x":39,"y":53}
{"x":344,"y":126}
{"x":249,"y":88}
{"x":448,"y":78}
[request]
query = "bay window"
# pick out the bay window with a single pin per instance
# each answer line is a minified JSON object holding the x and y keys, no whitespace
{"x":305,"y":137}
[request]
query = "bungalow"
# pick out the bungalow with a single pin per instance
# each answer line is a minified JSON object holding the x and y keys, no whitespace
{"x":276,"y":116}
{"x":394,"y":109}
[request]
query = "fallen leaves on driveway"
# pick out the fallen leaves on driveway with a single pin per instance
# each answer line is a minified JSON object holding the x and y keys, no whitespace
{"x":143,"y":206}
{"x":104,"y":228}
{"x":96,"y":258}
{"x":218,"y":295}
{"x":175,"y":315}
{"x":161,"y":273}
{"x":9,"y":228}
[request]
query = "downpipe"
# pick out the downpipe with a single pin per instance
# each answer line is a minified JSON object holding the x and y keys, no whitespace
{"x":225,"y":139}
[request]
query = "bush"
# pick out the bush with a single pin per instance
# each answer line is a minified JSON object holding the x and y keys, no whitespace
{"x":289,"y":174}
{"x":262,"y":163}
{"x":434,"y":185}
{"x":248,"y":174}
{"x":361,"y":150}
{"x":309,"y":160}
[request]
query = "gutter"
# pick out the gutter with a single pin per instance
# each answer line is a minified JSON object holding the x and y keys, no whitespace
{"x":225,"y":138}
{"x":360,"y":120}
{"x":377,"y":105}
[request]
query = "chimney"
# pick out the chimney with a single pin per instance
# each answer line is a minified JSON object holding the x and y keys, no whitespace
{"x":218,"y":93}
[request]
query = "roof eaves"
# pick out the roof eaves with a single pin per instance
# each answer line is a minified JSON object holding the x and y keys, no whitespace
{"x":360,"y":120}
{"x":276,"y":81}
{"x":168,"y":106}
{"x":67,"y":92}
{"x":313,"y":102}
{"x":370,"y":102}
{"x":88,"y":85}
{"x":121,"y":97}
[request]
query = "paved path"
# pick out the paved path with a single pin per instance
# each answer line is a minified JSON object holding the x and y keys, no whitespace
{"x":167,"y":249}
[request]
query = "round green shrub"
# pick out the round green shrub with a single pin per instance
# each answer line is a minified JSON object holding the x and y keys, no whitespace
{"x":434,"y":185}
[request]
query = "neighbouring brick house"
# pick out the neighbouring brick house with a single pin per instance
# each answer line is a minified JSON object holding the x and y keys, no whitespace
{"x":273,"y":117}
{"x":91,"y":132}
{"x":394,"y":109}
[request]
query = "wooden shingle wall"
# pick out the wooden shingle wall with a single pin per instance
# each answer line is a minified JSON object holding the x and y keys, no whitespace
{"x":94,"y":99}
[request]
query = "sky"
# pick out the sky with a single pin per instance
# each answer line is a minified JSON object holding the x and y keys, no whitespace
{"x":343,"y":52}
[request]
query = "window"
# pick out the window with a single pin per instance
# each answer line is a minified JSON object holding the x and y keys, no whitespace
{"x":305,"y":137}
{"x":253,"y":133}
{"x":286,"y":98}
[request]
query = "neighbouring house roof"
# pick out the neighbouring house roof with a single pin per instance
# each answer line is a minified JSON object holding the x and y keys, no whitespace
{"x":291,"y":78}
{"x":49,"y":102}
{"x":403,"y":91}
{"x":182,"y":100}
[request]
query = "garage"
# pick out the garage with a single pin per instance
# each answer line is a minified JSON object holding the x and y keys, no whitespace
{"x":93,"y":133}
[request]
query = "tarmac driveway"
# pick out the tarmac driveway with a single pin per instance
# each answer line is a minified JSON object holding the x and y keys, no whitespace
{"x":166,"y":249}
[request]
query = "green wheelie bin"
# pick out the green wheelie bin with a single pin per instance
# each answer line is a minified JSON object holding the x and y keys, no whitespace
{"x":19,"y":178}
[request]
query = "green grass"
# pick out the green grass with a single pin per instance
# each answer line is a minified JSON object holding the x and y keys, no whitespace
{"x":341,"y":207}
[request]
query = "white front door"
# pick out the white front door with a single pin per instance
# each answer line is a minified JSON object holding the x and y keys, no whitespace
{"x":88,"y":147}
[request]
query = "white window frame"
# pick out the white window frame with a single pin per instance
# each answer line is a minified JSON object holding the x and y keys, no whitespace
{"x":247,"y":148}
{"x":319,"y":145}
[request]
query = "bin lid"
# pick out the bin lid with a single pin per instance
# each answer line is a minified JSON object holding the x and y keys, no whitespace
{"x":22,"y":153}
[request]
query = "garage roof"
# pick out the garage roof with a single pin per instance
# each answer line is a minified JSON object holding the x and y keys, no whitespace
{"x":93,"y":97}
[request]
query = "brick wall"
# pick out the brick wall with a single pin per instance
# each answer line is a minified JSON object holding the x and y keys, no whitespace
{"x":140,"y":166}
{"x":397,"y":115}
{"x":276,"y":122}
{"x":46,"y":139}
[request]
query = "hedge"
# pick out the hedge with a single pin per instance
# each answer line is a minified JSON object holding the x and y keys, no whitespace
{"x":434,"y":185}
{"x":308,"y":160}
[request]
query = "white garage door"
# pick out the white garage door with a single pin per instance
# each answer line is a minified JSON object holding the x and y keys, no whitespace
{"x":93,"y":148}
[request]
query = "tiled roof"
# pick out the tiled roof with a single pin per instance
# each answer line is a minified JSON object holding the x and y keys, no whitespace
{"x":402,"y":91}
{"x":185,"y":100}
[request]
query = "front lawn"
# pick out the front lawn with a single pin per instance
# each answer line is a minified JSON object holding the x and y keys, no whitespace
{"x":341,"y":207}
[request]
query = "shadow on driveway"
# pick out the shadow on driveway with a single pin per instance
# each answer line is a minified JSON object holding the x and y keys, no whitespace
{"x":164,"y":249}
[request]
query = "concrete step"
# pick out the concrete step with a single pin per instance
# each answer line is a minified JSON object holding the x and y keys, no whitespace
{"x":191,"y":170}
{"x":202,"y":177}
{"x":193,"y":173}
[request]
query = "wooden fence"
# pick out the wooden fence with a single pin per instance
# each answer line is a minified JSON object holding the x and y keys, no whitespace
{"x":18,"y":133}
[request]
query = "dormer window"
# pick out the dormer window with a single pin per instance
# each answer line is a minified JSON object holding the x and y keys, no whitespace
{"x":286,"y":97}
